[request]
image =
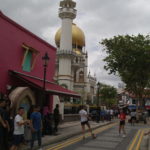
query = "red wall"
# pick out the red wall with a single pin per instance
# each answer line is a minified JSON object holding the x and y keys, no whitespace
{"x":12,"y":36}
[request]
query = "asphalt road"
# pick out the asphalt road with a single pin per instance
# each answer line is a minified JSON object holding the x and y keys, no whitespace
{"x":107,"y":139}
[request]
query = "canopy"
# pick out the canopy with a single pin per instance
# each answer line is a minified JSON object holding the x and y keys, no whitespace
{"x":49,"y":86}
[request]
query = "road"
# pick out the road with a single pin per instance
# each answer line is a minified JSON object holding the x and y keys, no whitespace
{"x":107,"y":139}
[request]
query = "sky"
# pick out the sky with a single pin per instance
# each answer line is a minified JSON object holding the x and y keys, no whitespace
{"x":99,"y":19}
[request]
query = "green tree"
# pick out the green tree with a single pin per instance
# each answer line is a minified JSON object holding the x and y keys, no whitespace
{"x":108,"y":95}
{"x":129,"y":57}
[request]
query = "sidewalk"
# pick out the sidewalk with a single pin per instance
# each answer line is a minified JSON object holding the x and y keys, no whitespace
{"x":65,"y":131}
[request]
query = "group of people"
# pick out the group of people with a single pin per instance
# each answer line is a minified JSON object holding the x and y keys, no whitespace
{"x":15,"y":127}
{"x":36,"y":121}
{"x":104,"y":114}
{"x":108,"y":114}
{"x":35,"y":124}
{"x":85,"y":121}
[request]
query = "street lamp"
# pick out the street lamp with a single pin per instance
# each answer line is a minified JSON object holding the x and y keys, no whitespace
{"x":45,"y":59}
{"x":98,"y":108}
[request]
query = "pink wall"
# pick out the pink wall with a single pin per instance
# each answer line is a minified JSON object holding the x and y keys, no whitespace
{"x":12,"y":36}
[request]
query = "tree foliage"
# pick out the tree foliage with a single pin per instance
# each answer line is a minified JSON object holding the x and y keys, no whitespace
{"x":129,"y":57}
{"x":108,"y":95}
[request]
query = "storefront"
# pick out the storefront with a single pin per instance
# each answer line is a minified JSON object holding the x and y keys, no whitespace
{"x":22,"y":68}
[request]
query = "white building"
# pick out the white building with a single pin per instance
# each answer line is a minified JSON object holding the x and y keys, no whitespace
{"x":72,"y":57}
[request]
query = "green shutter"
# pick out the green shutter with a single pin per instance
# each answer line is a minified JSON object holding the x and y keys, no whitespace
{"x":27,"y":62}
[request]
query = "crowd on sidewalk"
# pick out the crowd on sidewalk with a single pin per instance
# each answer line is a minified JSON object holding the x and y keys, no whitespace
{"x":16,"y":130}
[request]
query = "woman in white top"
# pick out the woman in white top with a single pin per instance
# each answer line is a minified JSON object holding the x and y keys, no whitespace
{"x":84,"y":121}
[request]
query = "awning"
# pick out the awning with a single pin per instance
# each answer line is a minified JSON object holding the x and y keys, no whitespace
{"x":38,"y":83}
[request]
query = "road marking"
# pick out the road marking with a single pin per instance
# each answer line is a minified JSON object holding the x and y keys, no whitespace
{"x":134,"y":140}
{"x":140,"y":140}
{"x":137,"y":140}
{"x":74,"y":140}
{"x":64,"y":143}
{"x":58,"y":148}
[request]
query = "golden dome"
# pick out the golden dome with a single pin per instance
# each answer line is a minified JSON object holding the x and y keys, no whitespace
{"x":78,"y":38}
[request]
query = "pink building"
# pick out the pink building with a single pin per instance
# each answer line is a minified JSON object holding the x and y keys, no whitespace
{"x":21,"y":67}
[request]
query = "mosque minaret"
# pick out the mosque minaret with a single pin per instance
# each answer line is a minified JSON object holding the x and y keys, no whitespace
{"x":67,"y":13}
{"x":72,"y":58}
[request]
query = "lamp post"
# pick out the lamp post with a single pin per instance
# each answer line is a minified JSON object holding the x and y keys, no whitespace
{"x":45,"y":59}
{"x":98,"y":102}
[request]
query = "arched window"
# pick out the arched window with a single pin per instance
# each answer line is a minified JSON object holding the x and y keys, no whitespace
{"x":81,"y":76}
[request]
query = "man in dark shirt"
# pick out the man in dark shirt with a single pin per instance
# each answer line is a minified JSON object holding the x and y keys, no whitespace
{"x":36,"y":126}
{"x":4,"y":126}
{"x":56,"y":117}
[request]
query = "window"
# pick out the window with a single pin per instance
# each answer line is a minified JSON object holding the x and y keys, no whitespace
{"x":27,"y":62}
{"x":81,"y":76}
{"x":29,"y":58}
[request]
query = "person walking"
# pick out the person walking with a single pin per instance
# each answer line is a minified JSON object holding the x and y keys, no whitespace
{"x":36,"y":127}
{"x":84,"y":121}
{"x":56,"y":118}
{"x":18,"y":134}
{"x":122,"y":117}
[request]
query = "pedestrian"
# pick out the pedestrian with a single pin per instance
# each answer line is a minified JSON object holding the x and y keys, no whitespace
{"x":116,"y":113}
{"x":36,"y":127}
{"x":84,"y":121}
{"x":56,"y":118}
{"x":122,"y":117}
{"x":9,"y":131}
{"x":111,"y":113}
{"x":4,"y":126}
{"x":102,"y":114}
{"x":133,"y":117}
{"x":30,"y":111}
{"x":46,"y":121}
{"x":18,"y":134}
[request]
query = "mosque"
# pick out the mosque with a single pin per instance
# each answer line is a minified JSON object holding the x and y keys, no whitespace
{"x":72,"y":58}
